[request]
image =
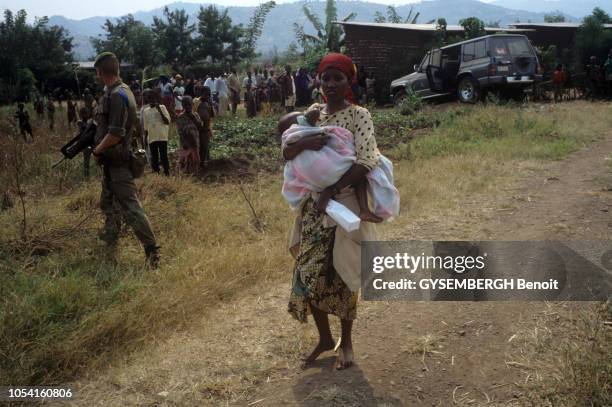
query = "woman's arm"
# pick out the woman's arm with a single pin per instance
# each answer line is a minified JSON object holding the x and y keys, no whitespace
{"x":314,"y":142}
{"x":352,"y":177}
{"x":366,"y":153}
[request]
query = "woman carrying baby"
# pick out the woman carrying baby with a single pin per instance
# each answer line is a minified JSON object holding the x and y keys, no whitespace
{"x":326,"y":276}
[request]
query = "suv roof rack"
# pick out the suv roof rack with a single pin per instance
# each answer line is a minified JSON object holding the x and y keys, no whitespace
{"x":456,"y":44}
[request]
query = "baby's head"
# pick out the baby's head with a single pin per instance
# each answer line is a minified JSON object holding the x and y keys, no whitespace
{"x":286,"y":121}
{"x":292,"y":118}
{"x":312,"y":116}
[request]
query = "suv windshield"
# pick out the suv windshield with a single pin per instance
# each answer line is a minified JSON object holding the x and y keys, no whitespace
{"x":509,"y":46}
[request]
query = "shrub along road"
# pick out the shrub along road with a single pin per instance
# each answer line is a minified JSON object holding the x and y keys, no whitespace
{"x":407,"y":353}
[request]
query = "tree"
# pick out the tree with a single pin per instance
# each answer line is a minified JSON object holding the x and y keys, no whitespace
{"x":173,"y":37}
{"x":130,"y":40}
{"x":473,"y":27}
{"x":592,"y":39}
{"x":330,"y":36}
{"x":254,"y":29}
{"x":218,"y":39}
{"x":394,"y":17}
{"x":441,"y":33}
{"x":601,"y":16}
{"x":29,"y":54}
{"x":556,"y":17}
{"x":548,"y":59}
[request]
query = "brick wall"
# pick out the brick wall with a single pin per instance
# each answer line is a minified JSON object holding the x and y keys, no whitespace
{"x":387,"y":53}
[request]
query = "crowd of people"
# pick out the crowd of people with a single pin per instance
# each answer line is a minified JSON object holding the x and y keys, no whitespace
{"x":597,"y":83}
{"x":191,"y":105}
{"x":263,"y":91}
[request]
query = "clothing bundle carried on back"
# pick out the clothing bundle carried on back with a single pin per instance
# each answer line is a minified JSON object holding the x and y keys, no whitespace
{"x":315,"y":170}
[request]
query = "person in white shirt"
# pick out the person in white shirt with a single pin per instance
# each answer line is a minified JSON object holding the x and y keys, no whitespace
{"x":211,"y":83}
{"x":223,"y":94}
{"x":155,"y":121}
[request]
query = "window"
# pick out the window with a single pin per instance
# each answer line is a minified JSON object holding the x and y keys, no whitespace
{"x":435,"y":58}
{"x":518,"y":46}
{"x":469,"y":52}
{"x":480,"y":49}
{"x":424,"y":63}
{"x":498,"y":47}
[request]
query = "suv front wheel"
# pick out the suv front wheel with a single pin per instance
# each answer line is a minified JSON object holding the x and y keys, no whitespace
{"x":468,"y":90}
{"x":399,"y":97}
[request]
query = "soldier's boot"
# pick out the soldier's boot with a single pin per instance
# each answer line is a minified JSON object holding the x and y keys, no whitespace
{"x":152,"y":255}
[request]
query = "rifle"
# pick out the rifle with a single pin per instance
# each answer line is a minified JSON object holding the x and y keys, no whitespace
{"x":83,"y":139}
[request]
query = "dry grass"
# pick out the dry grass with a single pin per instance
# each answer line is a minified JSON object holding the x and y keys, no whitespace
{"x":565,"y":355}
{"x":70,"y":311}
{"x":210,"y":248}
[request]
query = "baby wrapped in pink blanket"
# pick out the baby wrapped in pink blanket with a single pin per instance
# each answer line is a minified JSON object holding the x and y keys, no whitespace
{"x":315,"y":170}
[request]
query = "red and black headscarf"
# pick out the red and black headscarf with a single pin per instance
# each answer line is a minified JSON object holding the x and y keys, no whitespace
{"x":342,"y":63}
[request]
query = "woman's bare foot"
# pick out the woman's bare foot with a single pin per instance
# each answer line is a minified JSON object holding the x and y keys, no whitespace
{"x":322,"y":346}
{"x":368,"y":216}
{"x":345,"y":358}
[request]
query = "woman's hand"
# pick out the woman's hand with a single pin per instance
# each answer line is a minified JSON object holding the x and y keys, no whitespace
{"x":314,"y":142}
{"x":323,"y":200}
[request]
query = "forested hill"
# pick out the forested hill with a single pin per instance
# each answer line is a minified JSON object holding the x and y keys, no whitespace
{"x":278,"y":30}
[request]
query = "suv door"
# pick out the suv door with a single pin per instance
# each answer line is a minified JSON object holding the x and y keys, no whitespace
{"x":420,"y":84}
{"x":435,"y":75}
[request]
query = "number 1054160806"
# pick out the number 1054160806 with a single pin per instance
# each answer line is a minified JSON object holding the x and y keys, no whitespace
{"x":25,"y":393}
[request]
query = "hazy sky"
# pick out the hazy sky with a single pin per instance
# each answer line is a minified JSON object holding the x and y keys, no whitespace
{"x":90,"y":8}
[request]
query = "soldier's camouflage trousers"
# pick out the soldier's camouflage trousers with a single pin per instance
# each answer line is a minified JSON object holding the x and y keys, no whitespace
{"x":119,"y":199}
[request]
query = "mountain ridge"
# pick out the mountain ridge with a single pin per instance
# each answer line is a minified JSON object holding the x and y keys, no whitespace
{"x":282,"y":17}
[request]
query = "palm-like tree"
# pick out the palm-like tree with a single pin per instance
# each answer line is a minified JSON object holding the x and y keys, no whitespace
{"x":329,"y":35}
{"x":394,"y":17}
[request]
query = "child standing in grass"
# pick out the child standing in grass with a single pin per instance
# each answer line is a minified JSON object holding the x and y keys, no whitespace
{"x":203,"y":106}
{"x":23,"y":118}
{"x":39,"y":106}
{"x":189,"y":126}
{"x":51,"y":112}
{"x":559,"y":79}
{"x":155,"y":124}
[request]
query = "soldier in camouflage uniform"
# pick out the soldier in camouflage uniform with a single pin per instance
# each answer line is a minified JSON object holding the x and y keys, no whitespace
{"x":115,"y":116}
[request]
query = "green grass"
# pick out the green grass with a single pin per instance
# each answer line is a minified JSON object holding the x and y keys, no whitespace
{"x":514,"y":133}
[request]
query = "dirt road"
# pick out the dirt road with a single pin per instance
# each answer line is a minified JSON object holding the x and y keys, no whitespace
{"x":407,"y":353}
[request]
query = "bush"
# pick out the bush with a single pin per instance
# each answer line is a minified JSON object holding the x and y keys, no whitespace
{"x":19,"y":91}
{"x":410,"y":104}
